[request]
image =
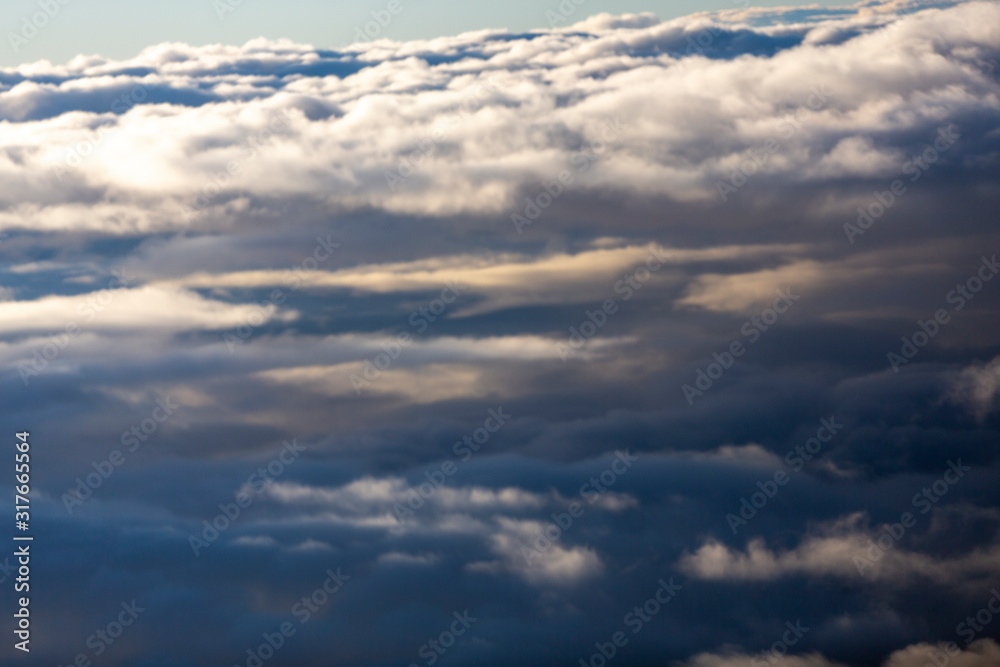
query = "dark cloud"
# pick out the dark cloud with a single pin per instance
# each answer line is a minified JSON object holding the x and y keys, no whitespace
{"x":281,"y":215}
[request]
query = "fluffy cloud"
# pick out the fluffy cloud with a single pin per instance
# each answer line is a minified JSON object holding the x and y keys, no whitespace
{"x":286,"y":213}
{"x":977,"y":387}
{"x":842,"y":549}
{"x":625,"y":106}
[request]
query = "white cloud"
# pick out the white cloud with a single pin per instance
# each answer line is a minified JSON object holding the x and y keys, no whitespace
{"x":845,"y":549}
{"x":371,"y":502}
{"x":519,"y":552}
{"x":977,"y":387}
{"x":980,"y":653}
{"x":750,"y":454}
{"x":143,"y":308}
{"x":499,"y":123}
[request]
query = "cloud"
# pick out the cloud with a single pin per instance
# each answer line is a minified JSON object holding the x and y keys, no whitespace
{"x":977,"y":387}
{"x":980,"y":653}
{"x":521,"y":546}
{"x":841,"y":549}
{"x":737,"y":660}
{"x":516,"y":544}
{"x":123,"y":309}
{"x":215,"y":175}
{"x":750,"y":454}
{"x":468,"y":136}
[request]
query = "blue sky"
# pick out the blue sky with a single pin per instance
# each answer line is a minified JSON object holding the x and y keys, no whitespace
{"x":121,"y":28}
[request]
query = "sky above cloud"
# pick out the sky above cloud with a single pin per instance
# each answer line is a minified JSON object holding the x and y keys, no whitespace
{"x":519,"y":324}
{"x":119,"y":29}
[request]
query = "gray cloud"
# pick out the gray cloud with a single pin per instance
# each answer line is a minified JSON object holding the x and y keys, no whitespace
{"x":539,"y":172}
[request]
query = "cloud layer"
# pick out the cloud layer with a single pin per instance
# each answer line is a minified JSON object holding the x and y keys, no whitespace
{"x":554,"y":318}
